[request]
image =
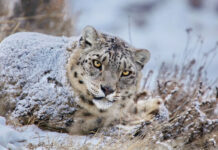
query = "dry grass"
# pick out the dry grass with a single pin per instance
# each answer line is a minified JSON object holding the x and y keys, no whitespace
{"x":45,"y":16}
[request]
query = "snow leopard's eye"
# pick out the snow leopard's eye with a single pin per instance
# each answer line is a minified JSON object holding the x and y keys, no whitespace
{"x":126,"y":73}
{"x":97,"y":64}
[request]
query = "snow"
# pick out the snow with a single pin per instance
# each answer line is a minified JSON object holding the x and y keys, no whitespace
{"x":213,"y":141}
{"x":20,"y":138}
{"x":201,"y":114}
{"x":10,"y":138}
{"x":163,"y":112}
{"x":37,"y":136}
{"x":2,"y":121}
{"x":165,"y":145}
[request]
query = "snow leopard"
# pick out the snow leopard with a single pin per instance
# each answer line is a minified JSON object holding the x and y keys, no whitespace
{"x":105,"y":73}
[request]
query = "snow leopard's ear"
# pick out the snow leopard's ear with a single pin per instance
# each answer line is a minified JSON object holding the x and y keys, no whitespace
{"x":89,"y":37}
{"x":141,"y":57}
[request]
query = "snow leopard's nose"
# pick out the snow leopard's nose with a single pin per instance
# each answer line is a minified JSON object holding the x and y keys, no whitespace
{"x":107,"y":90}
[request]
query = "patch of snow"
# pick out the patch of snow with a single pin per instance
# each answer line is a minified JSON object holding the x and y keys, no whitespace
{"x":10,"y":138}
{"x":163,"y":112}
{"x":213,"y":141}
{"x":168,"y":97}
{"x":165,"y":145}
{"x":154,"y":137}
{"x":21,"y":137}
{"x":2,"y":121}
{"x":37,"y":136}
{"x":202,"y":114}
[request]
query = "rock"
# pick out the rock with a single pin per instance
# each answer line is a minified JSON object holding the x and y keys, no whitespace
{"x":33,"y":80}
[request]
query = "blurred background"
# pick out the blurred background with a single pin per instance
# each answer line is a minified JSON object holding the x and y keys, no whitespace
{"x":174,"y":31}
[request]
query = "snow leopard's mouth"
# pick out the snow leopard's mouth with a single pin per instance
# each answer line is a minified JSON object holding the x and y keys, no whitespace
{"x":104,"y":99}
{"x":98,"y":98}
{"x":103,"y":103}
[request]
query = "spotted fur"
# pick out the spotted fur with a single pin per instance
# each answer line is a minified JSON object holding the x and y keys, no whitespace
{"x":103,"y":93}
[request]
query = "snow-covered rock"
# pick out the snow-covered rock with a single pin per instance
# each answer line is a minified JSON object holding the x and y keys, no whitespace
{"x":33,"y":78}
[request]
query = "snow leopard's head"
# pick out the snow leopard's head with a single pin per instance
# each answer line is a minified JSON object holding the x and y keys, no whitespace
{"x":105,"y":69}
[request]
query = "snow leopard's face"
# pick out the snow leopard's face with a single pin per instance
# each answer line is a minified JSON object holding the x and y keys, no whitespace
{"x":109,"y":68}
